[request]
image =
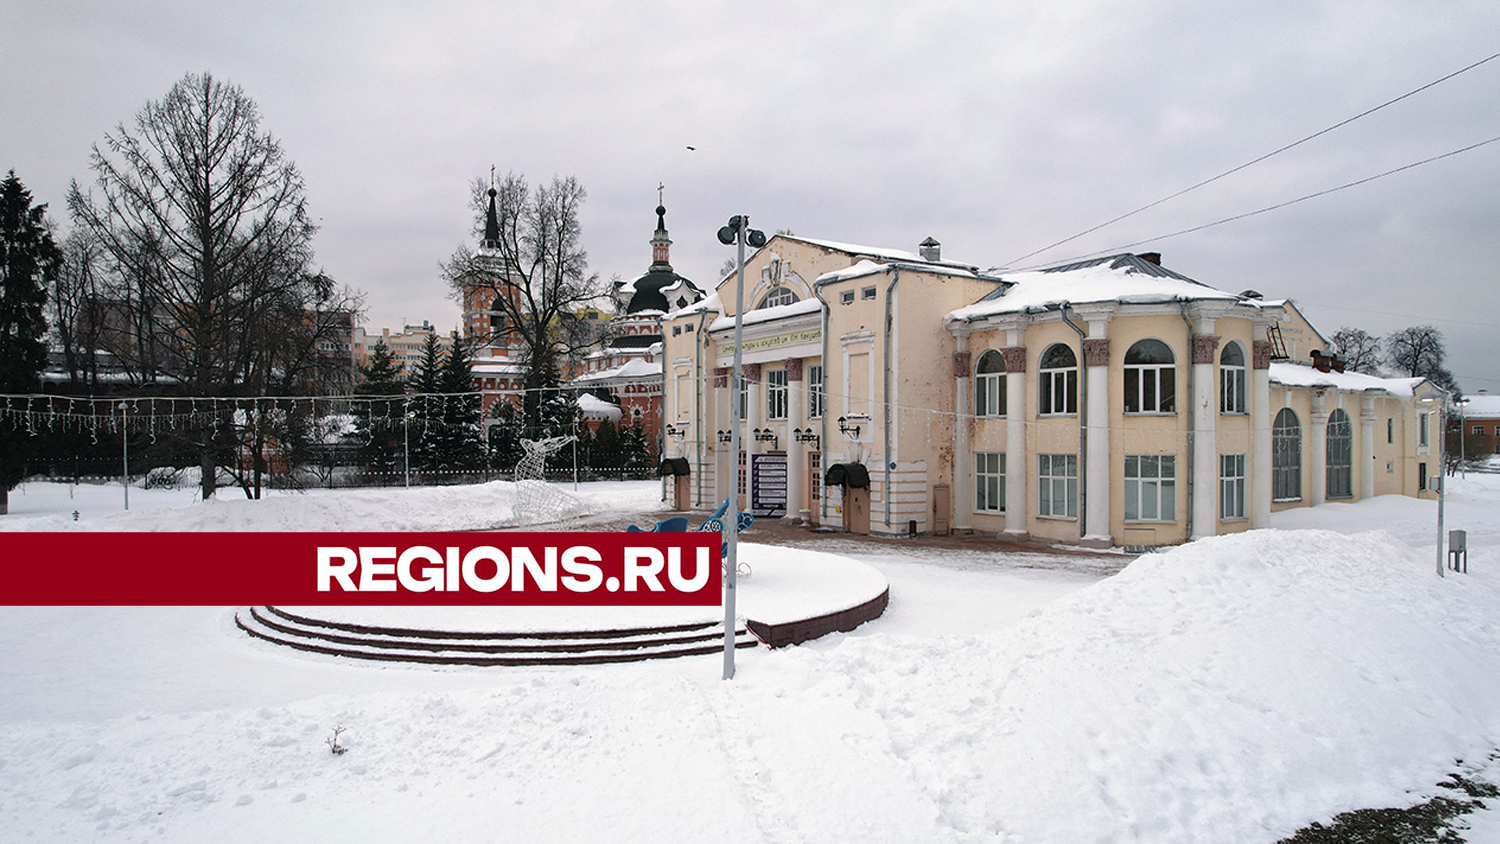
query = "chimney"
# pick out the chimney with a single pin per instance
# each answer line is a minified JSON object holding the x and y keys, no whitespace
{"x":931,"y":250}
{"x":1150,"y":257}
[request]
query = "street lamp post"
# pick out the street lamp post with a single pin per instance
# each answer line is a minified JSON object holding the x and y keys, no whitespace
{"x":739,"y":233}
{"x":124,"y":455}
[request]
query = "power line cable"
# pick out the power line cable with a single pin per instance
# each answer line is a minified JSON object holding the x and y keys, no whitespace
{"x":1232,"y":171}
{"x":1277,"y":205}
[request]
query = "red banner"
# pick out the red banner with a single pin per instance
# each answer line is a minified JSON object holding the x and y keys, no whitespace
{"x":363,"y":569}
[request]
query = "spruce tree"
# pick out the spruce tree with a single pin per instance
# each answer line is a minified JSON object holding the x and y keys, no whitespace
{"x":505,"y":436}
{"x":29,"y":264}
{"x":459,"y":445}
{"x":378,"y":421}
{"x":426,"y":406}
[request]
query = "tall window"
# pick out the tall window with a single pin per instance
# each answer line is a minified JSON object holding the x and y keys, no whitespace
{"x":989,"y":481}
{"x":1151,"y":487}
{"x":777,"y":296}
{"x":1058,"y":389}
{"x":1231,"y":486}
{"x":1232,"y":379}
{"x":815,"y":391}
{"x":1286,"y":456}
{"x":776,"y":394}
{"x":1421,"y":429}
{"x":1057,"y":485}
{"x":1390,"y":430}
{"x":1150,"y":378}
{"x":1340,"y":453}
{"x":989,"y":385}
{"x":744,"y":402}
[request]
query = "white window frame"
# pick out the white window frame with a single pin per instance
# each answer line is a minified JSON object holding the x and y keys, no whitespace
{"x":1057,"y":387}
{"x":1231,"y":487}
{"x":1057,"y":486}
{"x":989,"y":482}
{"x":1286,"y":456}
{"x":744,"y":403}
{"x":1232,"y":382}
{"x":1338,"y":455}
{"x":989,"y":387}
{"x":1150,"y":487}
{"x":776,"y":394}
{"x":1423,"y":436}
{"x":815,"y":391}
{"x":1154,"y":400}
{"x":780,"y":295}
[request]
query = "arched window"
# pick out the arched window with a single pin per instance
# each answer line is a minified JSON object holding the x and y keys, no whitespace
{"x":1286,"y":456}
{"x":1232,"y":379}
{"x":777,"y":296}
{"x":989,"y":385}
{"x":1058,"y":389}
{"x":1150,"y":378}
{"x":1340,"y":454}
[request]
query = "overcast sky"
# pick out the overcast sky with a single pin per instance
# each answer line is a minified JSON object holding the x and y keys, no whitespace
{"x":997,"y":128}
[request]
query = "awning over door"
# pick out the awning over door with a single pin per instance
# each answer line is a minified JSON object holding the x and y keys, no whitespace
{"x":673,"y":466}
{"x":853,"y":475}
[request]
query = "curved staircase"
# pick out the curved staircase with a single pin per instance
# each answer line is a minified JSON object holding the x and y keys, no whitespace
{"x":451,"y":647}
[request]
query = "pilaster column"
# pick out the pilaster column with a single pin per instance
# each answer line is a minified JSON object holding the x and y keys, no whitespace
{"x":796,"y":453}
{"x":1366,"y":445}
{"x":1096,"y":359}
{"x":1260,"y":456}
{"x":752,"y":416}
{"x":1205,"y":515}
{"x":1017,"y":465}
{"x":963,"y":448}
{"x":1318,"y":445}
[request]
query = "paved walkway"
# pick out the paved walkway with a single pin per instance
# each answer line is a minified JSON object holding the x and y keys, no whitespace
{"x":1008,"y":551}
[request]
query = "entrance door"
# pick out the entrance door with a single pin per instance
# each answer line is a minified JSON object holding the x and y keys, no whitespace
{"x":856,"y":510}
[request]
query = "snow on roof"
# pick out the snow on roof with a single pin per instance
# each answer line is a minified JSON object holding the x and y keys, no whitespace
{"x":1300,"y":375}
{"x":1482,"y":406}
{"x":866,"y":268}
{"x":711,"y":302}
{"x":1105,"y":280}
{"x":633,"y":368}
{"x":878,"y":252}
{"x":804,"y":306}
{"x":599,"y":407}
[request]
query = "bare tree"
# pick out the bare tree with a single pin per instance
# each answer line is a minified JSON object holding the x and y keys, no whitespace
{"x":531,"y":274}
{"x":1359,"y":350}
{"x":206,"y":220}
{"x":1418,"y":352}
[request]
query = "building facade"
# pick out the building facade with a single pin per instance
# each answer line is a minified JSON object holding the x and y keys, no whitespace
{"x":1107,"y":402}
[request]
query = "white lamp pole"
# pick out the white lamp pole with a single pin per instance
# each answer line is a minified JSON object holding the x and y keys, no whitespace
{"x":124,"y":456}
{"x":737,"y":232}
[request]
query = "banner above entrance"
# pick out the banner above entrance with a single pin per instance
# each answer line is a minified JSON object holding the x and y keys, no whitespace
{"x":789,"y":339}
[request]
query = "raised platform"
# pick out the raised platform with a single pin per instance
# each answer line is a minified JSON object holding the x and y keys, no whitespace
{"x":790,"y":597}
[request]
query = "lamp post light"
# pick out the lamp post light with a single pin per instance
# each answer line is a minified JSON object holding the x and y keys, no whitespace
{"x":806,"y":436}
{"x":737,"y":232}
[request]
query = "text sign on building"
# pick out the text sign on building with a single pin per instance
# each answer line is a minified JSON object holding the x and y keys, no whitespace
{"x":768,"y":485}
{"x":759,"y":344}
{"x":364,"y":569}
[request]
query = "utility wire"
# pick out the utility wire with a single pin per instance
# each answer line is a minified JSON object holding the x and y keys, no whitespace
{"x":1257,"y":160}
{"x":1279,"y":204}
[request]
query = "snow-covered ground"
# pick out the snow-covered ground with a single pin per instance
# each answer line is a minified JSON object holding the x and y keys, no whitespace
{"x":1231,"y":690}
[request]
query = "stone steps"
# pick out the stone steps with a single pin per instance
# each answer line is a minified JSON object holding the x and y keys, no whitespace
{"x":452,"y":647}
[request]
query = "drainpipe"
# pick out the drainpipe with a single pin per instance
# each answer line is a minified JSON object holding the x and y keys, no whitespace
{"x":698,"y":431}
{"x":1083,"y":421}
{"x":890,"y":291}
{"x":817,"y":289}
{"x":1182,"y":308}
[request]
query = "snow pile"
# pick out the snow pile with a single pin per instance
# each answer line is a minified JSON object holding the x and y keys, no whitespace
{"x":1231,"y":690}
{"x":425,"y":509}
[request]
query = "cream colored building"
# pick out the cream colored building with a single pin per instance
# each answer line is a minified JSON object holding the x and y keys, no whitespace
{"x":1108,"y":402}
